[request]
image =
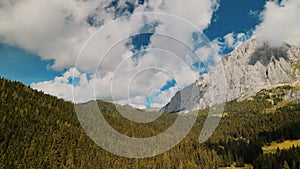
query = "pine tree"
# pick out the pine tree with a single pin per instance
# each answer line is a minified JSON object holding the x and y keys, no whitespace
{"x":285,"y":165}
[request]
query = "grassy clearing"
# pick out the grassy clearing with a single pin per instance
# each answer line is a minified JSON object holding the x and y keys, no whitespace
{"x":247,"y":166}
{"x":284,"y":145}
{"x":279,"y":105}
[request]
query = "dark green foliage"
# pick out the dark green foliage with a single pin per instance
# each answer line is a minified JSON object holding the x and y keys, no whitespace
{"x":280,"y":160}
{"x":41,"y":131}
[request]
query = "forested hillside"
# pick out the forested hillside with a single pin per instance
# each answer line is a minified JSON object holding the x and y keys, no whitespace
{"x":41,"y":131}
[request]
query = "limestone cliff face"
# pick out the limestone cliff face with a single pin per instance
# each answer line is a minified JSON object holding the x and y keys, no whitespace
{"x":247,"y":70}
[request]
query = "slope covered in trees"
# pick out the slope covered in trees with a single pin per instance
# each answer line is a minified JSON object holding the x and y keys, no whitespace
{"x":41,"y":131}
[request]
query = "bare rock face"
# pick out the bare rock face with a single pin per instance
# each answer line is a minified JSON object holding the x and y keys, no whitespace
{"x":247,"y":70}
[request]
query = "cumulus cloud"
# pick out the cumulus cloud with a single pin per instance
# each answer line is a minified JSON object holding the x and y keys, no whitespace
{"x":126,"y":83}
{"x":280,"y":23}
{"x":230,"y":41}
{"x":62,"y":87}
{"x":46,"y":28}
{"x":197,"y":12}
{"x":57,"y":30}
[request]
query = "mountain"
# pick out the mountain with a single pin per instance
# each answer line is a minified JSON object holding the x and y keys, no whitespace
{"x":248,"y":69}
{"x":41,"y":131}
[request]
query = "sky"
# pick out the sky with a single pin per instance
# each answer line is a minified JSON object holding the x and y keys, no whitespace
{"x":131,"y":52}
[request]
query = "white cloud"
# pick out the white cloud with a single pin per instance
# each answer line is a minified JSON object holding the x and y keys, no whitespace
{"x":56,"y":30}
{"x":52,"y":29}
{"x":254,"y":13}
{"x":127,"y":83}
{"x":219,"y":47}
{"x":229,"y":39}
{"x":198,"y":12}
{"x":61,"y":86}
{"x":280,"y":23}
{"x":229,"y":42}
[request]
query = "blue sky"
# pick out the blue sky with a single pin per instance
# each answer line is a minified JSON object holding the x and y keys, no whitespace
{"x":232,"y":16}
{"x":20,"y":65}
{"x":46,"y":56}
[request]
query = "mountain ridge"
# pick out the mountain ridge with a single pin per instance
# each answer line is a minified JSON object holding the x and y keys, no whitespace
{"x":248,"y":69}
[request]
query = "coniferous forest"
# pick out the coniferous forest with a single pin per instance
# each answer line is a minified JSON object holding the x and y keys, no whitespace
{"x":41,"y":131}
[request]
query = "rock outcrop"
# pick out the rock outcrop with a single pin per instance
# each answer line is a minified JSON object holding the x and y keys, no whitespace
{"x":247,"y":70}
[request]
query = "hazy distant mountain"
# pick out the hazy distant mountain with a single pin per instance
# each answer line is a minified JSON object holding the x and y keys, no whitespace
{"x":248,"y":69}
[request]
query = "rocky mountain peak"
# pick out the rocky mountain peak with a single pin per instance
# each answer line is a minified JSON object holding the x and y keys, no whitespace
{"x":253,"y":66}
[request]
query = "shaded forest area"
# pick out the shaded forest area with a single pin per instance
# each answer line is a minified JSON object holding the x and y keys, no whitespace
{"x":40,"y":131}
